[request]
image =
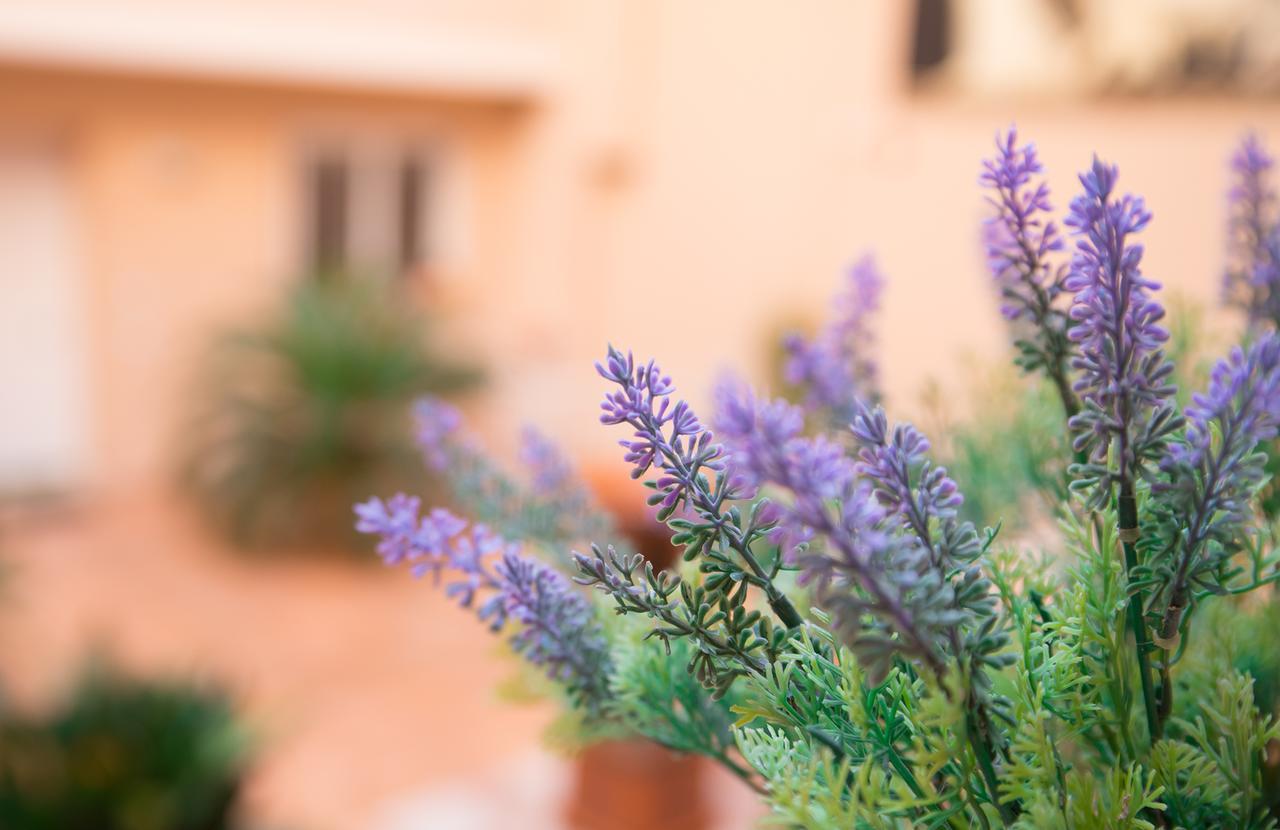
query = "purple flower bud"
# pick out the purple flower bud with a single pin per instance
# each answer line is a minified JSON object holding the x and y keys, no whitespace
{"x":549,"y":470}
{"x":870,"y":569}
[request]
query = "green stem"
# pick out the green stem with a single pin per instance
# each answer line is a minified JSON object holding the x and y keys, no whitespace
{"x":1128,"y":510}
{"x":711,"y":505}
{"x":899,"y":766}
{"x":982,"y":751}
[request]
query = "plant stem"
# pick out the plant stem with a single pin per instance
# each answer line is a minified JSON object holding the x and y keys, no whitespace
{"x":982,"y":751}
{"x":710,"y":505}
{"x":895,"y":761}
{"x":1128,"y":515}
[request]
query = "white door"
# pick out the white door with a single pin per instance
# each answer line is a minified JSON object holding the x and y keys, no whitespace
{"x":43,"y":392}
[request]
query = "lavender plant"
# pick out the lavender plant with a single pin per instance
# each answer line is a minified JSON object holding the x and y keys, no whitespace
{"x":552,"y":506}
{"x":1021,"y":241}
{"x":836,"y":368}
{"x":1251,"y":280}
{"x":840,"y":636}
{"x":555,"y":626}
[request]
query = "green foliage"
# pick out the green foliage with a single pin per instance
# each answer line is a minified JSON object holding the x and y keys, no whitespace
{"x":1230,"y":732}
{"x":296,"y":419}
{"x":1194,"y":790}
{"x":654,"y":696}
{"x":818,"y":792}
{"x":732,"y":640}
{"x":123,"y":755}
{"x":819,"y":692}
{"x":1010,"y":453}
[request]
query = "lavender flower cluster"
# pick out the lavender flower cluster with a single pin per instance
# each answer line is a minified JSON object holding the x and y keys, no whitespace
{"x":1251,"y":281}
{"x":871,"y":524}
{"x":837,"y":367}
{"x":1020,"y":237}
{"x":865,"y":569}
{"x":551,"y":506}
{"x":1124,"y":379}
{"x":665,"y":435}
{"x":1211,"y":474}
{"x":691,"y":475}
{"x":1020,"y":240}
{"x":556,"y":628}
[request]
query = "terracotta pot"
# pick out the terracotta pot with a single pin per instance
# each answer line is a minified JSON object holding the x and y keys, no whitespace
{"x":624,"y":499}
{"x":637,"y":785}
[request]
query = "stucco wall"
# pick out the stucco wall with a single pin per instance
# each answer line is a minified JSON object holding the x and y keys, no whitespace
{"x":694,"y":176}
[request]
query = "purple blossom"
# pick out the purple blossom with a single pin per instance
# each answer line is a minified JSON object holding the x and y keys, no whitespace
{"x":557,"y":629}
{"x":867,"y":556}
{"x":1251,"y":280}
{"x":439,"y":425}
{"x":403,"y":535}
{"x":666,"y":435}
{"x":925,"y":502}
{"x":1019,"y":237}
{"x":549,"y":470}
{"x":553,"y":506}
{"x":755,"y":430}
{"x":923,"y":497}
{"x":838,"y":365}
{"x":1214,"y":471}
{"x":1124,"y":377}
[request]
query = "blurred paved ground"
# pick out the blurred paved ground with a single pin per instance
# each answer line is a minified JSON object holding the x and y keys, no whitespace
{"x":372,"y":697}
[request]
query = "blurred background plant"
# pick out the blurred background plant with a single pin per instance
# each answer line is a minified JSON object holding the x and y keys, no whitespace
{"x":303,"y":414}
{"x":123,"y":754}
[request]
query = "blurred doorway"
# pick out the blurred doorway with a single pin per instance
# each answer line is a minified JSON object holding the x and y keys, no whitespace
{"x":43,"y":394}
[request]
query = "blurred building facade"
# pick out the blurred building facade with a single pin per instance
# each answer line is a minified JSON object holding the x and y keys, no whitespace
{"x":680,"y":178}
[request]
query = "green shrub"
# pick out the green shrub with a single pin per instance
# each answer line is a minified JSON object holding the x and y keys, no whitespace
{"x":123,"y":755}
{"x":296,"y":418}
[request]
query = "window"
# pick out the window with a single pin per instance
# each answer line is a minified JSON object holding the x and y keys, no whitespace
{"x":329,"y":214}
{"x":370,"y":209}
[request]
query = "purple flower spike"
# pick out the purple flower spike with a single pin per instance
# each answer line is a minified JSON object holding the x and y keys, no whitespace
{"x":871,"y":569}
{"x":1212,"y":474}
{"x":1020,"y":236}
{"x":549,"y":470}
{"x":552,"y":505}
{"x":1020,"y":241}
{"x":1124,"y":378}
{"x":838,"y":365}
{"x":557,"y":629}
{"x":1251,"y":281}
{"x":438,"y":425}
{"x":667,"y":436}
{"x":922,"y":496}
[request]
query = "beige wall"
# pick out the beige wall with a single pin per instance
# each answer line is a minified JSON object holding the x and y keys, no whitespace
{"x":687,"y":162}
{"x":188,"y":195}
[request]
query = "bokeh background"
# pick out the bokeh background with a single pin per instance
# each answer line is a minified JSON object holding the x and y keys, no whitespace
{"x":237,"y":238}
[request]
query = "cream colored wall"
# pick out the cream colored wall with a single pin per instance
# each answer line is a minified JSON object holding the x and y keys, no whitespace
{"x":696,"y":174}
{"x":763,"y":151}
